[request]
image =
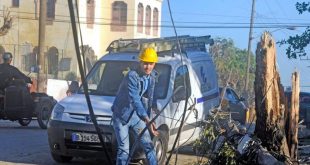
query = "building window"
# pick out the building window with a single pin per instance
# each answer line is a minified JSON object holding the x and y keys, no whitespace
{"x":36,"y":9}
{"x":90,"y":18}
{"x":50,"y":12}
{"x":140,"y":18}
{"x":119,"y":16}
{"x":148,"y":20}
{"x":30,"y":61}
{"x":155,"y":22}
{"x":15,"y":3}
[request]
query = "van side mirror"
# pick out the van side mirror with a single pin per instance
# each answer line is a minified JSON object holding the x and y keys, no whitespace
{"x":179,"y":94}
{"x":73,"y":87}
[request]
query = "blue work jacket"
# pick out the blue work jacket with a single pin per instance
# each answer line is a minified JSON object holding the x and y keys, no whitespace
{"x":129,"y":99}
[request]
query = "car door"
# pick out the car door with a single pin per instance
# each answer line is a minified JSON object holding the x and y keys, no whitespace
{"x":236,"y":106}
{"x":178,"y":104}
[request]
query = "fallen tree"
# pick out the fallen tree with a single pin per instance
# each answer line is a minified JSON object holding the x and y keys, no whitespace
{"x":274,"y":140}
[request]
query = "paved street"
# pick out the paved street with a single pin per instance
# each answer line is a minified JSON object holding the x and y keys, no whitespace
{"x":28,"y":145}
{"x":23,"y":145}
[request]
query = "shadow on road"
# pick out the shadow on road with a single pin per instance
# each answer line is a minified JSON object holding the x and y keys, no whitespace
{"x":29,"y":145}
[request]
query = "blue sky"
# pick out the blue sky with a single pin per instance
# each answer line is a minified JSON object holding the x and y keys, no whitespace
{"x":237,"y":12}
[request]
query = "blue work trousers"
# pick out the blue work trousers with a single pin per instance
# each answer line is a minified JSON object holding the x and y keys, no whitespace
{"x":122,"y":137}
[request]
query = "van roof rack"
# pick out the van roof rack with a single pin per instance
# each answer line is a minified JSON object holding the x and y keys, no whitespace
{"x":164,"y":44}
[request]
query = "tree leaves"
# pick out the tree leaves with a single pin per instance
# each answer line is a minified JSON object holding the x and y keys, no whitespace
{"x":298,"y":43}
{"x":229,"y":58}
{"x":302,"y":7}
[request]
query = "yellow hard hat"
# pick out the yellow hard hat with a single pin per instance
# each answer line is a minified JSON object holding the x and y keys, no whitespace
{"x":148,"y":55}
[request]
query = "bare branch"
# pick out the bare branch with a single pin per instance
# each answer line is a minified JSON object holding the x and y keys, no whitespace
{"x":7,"y":23}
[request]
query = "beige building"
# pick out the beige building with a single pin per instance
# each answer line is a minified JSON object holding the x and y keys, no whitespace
{"x":101,"y":21}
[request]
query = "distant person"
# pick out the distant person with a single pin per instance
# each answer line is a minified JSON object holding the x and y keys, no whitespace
{"x":8,"y":73}
{"x":73,"y":88}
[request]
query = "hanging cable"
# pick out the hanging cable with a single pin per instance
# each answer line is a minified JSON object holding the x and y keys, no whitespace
{"x":185,"y":85}
{"x":191,"y":109}
{"x":185,"y":107}
{"x":147,"y":126}
{"x":84,"y":83}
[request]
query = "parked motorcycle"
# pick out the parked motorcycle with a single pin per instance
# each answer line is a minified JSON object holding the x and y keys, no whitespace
{"x":18,"y":104}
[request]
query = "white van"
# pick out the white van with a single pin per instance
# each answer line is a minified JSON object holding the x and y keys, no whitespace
{"x":71,"y":132}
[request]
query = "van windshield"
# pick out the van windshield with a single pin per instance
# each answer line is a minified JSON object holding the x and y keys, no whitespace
{"x":105,"y":78}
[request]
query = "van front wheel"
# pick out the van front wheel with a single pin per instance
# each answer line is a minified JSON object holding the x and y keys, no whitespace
{"x":61,"y":158}
{"x":160,"y":144}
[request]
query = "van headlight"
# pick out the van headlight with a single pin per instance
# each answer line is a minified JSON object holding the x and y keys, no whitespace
{"x":57,"y":112}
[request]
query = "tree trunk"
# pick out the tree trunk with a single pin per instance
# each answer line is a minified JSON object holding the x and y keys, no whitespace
{"x":269,"y":105}
{"x":294,"y":117}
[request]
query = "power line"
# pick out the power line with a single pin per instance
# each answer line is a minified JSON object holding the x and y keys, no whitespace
{"x":185,"y":86}
{"x":197,"y":22}
{"x":281,"y":8}
{"x":283,"y":11}
{"x":271,"y":13}
{"x":242,"y":26}
{"x":184,"y":13}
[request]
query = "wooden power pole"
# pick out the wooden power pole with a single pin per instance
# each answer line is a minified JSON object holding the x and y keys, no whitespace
{"x":40,"y":60}
{"x":249,"y":49}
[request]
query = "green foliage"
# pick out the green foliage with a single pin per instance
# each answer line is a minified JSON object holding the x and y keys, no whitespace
{"x":228,"y":58}
{"x":298,"y":43}
{"x":204,"y":144}
{"x":302,"y":7}
{"x":227,"y":155}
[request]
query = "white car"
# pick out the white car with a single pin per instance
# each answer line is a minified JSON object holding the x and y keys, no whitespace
{"x":71,"y":133}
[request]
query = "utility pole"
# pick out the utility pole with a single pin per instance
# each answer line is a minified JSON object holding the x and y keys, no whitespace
{"x":249,"y":50}
{"x":40,"y":60}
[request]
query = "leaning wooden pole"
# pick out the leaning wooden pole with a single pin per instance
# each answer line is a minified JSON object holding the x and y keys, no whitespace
{"x":294,"y":117}
{"x":268,"y":103}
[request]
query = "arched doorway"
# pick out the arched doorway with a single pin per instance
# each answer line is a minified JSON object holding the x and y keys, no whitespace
{"x":29,"y":58}
{"x":52,"y":61}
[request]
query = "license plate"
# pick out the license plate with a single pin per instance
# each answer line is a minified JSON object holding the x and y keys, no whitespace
{"x":88,"y":137}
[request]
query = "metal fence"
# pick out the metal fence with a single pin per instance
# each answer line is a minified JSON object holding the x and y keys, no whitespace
{"x":57,"y":64}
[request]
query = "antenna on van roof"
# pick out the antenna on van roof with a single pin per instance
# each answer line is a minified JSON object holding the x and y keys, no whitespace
{"x":166,"y":44}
